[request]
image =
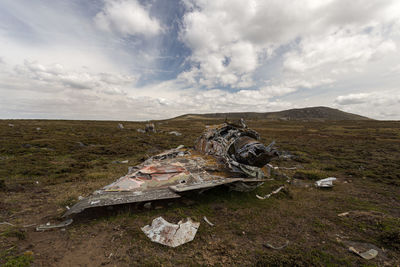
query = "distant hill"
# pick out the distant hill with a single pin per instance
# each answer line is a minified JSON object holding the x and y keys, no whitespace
{"x":312,"y":113}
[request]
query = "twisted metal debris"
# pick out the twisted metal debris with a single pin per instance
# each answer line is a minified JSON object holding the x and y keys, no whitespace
{"x":225,"y":154}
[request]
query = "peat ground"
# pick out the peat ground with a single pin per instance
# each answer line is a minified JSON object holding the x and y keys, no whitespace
{"x":44,"y":170}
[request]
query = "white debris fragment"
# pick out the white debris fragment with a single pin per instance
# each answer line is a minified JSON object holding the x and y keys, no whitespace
{"x":80,"y":197}
{"x":48,"y":226}
{"x":325,"y":183}
{"x":120,"y":161}
{"x":368,"y":255}
{"x":11,"y":125}
{"x":343,"y":214}
{"x":268,"y":245}
{"x":120,"y":126}
{"x":175,"y":133}
{"x":169,"y":234}
{"x":140,"y":130}
{"x":147,"y":205}
{"x":207,"y":221}
{"x":67,"y":207}
{"x":38,"y":129}
{"x":270,"y":194}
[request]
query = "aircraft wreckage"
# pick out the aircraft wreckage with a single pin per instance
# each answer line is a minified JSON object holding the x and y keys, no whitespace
{"x":227,"y":154}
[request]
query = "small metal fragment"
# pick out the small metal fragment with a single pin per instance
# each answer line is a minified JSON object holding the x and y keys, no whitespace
{"x":367,"y":255}
{"x":343,"y":214}
{"x":207,"y":221}
{"x":268,"y":245}
{"x":175,"y":133}
{"x":169,"y":234}
{"x":325,"y":183}
{"x":270,"y":194}
{"x":48,"y":226}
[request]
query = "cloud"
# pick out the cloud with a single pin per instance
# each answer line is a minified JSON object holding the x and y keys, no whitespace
{"x":353,"y":99}
{"x":341,"y":49}
{"x":153,"y":59}
{"x":383,"y":104}
{"x":127,"y":18}
{"x":232,"y":40}
{"x":57,"y":76}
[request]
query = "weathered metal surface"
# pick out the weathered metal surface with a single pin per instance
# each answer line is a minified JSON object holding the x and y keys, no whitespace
{"x":169,"y":234}
{"x":115,"y":198}
{"x":325,"y":183}
{"x":224,"y":155}
{"x":49,"y":226}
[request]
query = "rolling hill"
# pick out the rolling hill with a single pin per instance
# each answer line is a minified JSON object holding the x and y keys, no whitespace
{"x":311,"y":113}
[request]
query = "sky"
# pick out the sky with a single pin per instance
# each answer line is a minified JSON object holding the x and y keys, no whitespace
{"x":156,"y":59}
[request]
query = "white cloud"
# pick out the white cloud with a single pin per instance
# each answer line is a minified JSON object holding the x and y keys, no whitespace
{"x":127,"y":18}
{"x":341,"y":49}
{"x":231,"y":40}
{"x":383,"y":104}
{"x":353,"y":99}
{"x":57,"y":76}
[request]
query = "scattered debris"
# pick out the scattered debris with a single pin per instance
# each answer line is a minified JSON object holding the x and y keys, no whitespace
{"x":268,"y":245}
{"x":147,"y":205}
{"x":172,"y":235}
{"x":120,"y":161}
{"x":344,"y":214}
{"x":67,"y":207}
{"x":80,"y":197}
{"x":325,"y":183}
{"x":270,"y":194}
{"x":48,"y":226}
{"x":175,"y":133}
{"x":140,"y":130}
{"x":150,"y":128}
{"x":11,"y":125}
{"x":207,"y":221}
{"x":367,"y":255}
{"x":120,"y":126}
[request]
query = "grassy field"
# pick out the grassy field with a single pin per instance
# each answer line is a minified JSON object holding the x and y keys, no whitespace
{"x":43,"y":171}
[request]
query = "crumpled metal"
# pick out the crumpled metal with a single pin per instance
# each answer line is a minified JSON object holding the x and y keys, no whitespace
{"x":169,"y":234}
